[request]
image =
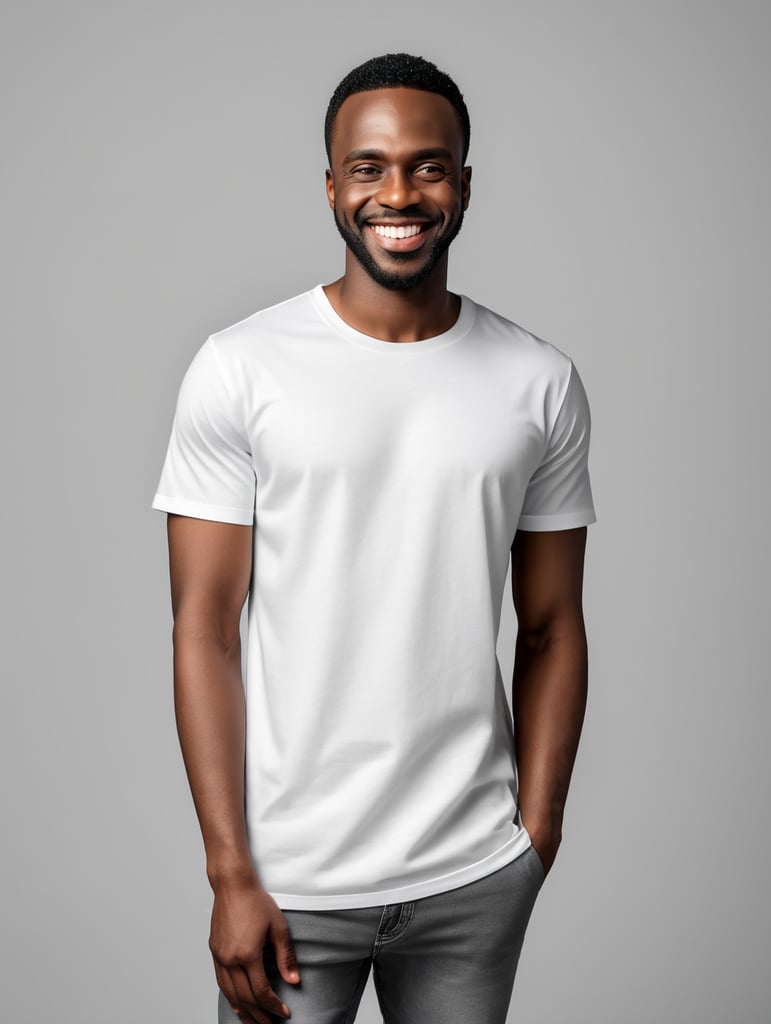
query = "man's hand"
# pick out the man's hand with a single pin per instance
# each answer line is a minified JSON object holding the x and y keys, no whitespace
{"x":245,"y":919}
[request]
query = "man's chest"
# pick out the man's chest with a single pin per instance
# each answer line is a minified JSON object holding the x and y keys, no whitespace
{"x":363,"y":422}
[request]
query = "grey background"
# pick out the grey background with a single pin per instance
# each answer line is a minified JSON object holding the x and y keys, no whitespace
{"x":163,"y":178}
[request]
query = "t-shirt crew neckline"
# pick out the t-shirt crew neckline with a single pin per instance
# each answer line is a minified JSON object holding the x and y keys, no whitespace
{"x":458,"y":330}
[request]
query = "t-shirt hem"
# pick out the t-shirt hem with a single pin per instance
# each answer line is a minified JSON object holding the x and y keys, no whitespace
{"x":564,"y":521}
{"x":419,"y":890}
{"x":200,"y":510}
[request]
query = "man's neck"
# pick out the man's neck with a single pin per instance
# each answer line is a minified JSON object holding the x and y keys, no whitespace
{"x":392,"y":315}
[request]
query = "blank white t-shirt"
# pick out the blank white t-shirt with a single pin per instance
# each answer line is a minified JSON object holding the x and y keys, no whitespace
{"x":385,"y":482}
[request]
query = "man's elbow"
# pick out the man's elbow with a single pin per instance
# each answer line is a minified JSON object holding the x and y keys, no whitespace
{"x":559,"y":631}
{"x":198,"y":632}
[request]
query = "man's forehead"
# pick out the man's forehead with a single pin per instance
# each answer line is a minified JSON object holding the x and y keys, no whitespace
{"x":370,"y":119}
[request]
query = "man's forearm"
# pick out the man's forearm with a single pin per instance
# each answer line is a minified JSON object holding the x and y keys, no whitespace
{"x":211,"y":565}
{"x":209,"y":702}
{"x":549,"y":699}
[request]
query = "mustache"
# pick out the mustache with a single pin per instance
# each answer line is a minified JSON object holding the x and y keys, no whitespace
{"x":384,"y":215}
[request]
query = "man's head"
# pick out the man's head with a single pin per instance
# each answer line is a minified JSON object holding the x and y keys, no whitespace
{"x":397,"y":135}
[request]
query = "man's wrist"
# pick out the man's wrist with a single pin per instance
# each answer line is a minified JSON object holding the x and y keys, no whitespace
{"x":545,"y":838}
{"x":545,"y":831}
{"x":543,"y":820}
{"x":231,"y":873}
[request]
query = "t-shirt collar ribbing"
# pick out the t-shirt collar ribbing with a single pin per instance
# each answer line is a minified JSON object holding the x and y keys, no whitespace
{"x":458,"y":330}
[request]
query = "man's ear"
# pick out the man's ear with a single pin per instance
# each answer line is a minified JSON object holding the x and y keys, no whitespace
{"x":465,"y":186}
{"x":330,"y":181}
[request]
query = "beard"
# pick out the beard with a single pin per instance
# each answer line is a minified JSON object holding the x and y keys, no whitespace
{"x":395,"y":279}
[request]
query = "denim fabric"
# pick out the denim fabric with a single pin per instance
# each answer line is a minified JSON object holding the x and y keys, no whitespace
{"x":445,"y":959}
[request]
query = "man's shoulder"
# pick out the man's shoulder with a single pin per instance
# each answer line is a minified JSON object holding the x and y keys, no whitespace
{"x":289,"y":314}
{"x":518,"y":341}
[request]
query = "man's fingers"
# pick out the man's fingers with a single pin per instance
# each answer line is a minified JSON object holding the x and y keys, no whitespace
{"x":285,"y":954}
{"x":252,"y":1005}
{"x":263,"y":996}
{"x":226,"y":985}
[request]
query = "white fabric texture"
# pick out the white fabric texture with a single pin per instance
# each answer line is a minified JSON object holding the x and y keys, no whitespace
{"x":385,"y":482}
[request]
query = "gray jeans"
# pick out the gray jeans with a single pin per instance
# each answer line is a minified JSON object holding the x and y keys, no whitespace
{"x":446,"y":959}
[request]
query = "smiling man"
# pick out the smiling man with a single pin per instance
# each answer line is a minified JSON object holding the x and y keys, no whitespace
{"x":363,"y":462}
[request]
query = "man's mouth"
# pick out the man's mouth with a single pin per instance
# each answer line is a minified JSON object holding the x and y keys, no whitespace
{"x":400,"y":237}
{"x":402,"y":231}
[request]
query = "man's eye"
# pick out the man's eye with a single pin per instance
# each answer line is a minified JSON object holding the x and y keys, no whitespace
{"x":430,"y":171}
{"x":366,"y":171}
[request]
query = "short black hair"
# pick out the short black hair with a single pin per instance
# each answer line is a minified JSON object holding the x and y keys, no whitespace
{"x":390,"y":71}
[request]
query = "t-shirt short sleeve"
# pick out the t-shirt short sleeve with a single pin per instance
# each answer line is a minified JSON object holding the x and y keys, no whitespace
{"x":559,"y":494}
{"x":208,"y":472}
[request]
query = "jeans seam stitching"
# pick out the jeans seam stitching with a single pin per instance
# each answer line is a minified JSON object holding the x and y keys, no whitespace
{"x":405,"y":916}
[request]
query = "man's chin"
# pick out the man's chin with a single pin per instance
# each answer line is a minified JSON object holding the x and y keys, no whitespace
{"x":401,"y":279}
{"x":397,"y":271}
{"x":394,"y":270}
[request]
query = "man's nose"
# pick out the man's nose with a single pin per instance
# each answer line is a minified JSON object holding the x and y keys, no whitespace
{"x":398,"y":190}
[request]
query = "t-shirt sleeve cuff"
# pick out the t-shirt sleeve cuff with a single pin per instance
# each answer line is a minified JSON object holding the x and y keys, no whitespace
{"x":198,"y":510}
{"x":563,"y":521}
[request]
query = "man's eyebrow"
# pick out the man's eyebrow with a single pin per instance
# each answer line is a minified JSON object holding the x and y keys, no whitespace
{"x":364,"y":154}
{"x":431,"y":153}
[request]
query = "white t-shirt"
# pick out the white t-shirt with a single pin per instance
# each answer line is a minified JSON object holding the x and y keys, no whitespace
{"x":385,"y":482}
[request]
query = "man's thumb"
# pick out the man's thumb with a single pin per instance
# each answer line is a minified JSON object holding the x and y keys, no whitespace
{"x":285,"y":956}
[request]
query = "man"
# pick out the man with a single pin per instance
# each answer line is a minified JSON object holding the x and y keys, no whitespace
{"x":361,"y":461}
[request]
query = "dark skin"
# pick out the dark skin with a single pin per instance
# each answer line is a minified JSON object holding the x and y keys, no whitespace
{"x":210,"y":565}
{"x":550,"y":676}
{"x":396,"y":162}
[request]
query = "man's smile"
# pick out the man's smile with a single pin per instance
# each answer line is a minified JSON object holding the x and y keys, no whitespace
{"x":399,"y":237}
{"x":402,"y":231}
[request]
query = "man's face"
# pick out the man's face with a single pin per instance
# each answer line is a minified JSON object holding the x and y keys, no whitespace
{"x":397,"y":186}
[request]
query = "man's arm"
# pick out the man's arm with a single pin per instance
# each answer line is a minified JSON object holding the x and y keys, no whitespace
{"x":210,"y":565}
{"x":550,"y":676}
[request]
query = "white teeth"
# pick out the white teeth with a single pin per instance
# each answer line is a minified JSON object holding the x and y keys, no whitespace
{"x":403,"y":231}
